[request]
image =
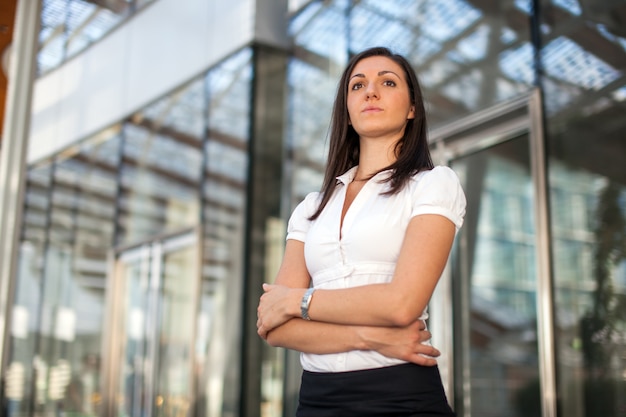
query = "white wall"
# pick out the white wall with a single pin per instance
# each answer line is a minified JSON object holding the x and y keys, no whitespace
{"x":160,"y":48}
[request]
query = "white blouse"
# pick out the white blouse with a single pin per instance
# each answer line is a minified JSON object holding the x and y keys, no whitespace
{"x":371,"y":236}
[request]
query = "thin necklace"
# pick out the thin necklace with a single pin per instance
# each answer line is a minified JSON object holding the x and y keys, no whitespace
{"x":362,"y":179}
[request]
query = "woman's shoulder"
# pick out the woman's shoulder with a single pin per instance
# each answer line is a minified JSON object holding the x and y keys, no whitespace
{"x":438,"y":191}
{"x":308,"y":205}
{"x":438,"y":174}
{"x":299,"y":222}
{"x":311,"y":198}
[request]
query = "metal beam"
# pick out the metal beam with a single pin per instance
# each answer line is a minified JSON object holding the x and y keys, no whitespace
{"x":543,"y":253}
{"x":13,"y":156}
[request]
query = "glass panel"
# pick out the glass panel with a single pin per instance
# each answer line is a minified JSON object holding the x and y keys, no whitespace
{"x":497,"y":244}
{"x":52,"y":35}
{"x":173,"y":390}
{"x":18,"y":391}
{"x":135,"y":274}
{"x":584,"y":59}
{"x":217,"y":348}
{"x":589,"y":240}
{"x":69,"y":26}
{"x":320,"y":33}
{"x":162,"y":166}
{"x":68,"y":226}
{"x":69,"y":317}
{"x":159,"y":287}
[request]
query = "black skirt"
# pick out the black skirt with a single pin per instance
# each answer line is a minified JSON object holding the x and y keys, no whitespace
{"x":400,"y":390}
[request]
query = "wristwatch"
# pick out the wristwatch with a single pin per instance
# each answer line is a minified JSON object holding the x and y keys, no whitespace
{"x":306,"y":301}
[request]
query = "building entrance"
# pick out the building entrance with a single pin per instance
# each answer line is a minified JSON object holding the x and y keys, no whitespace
{"x":495,"y":281}
{"x":151,"y":339}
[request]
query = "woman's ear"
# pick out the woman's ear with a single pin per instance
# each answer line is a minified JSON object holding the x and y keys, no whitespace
{"x":411,"y":113}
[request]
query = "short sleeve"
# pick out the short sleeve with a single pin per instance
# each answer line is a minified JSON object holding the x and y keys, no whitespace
{"x":299,"y":222}
{"x":439,"y":191}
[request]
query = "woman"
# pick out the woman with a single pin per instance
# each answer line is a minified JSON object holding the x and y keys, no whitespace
{"x":364,"y":255}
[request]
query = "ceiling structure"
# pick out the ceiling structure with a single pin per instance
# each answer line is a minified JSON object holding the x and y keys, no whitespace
{"x":469,"y":54}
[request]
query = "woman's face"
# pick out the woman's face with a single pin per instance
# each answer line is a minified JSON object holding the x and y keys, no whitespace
{"x":378,"y":99}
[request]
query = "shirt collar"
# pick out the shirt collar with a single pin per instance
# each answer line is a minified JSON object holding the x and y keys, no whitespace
{"x":348,"y":176}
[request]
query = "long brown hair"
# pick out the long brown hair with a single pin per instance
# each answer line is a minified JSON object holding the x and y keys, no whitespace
{"x":411,"y":150}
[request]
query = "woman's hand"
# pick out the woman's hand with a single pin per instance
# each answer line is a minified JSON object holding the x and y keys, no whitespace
{"x":405,"y":343}
{"x":277,"y":305}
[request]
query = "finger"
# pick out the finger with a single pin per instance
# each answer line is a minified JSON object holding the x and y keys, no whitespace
{"x":423,"y":360}
{"x":424,"y":335}
{"x":262,"y":330}
{"x":427,"y":351}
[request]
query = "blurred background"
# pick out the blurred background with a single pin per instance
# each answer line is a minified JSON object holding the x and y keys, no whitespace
{"x":158,"y":147}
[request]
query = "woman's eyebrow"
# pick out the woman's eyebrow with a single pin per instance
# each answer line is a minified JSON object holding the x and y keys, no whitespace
{"x":387,"y":72}
{"x":383,"y":72}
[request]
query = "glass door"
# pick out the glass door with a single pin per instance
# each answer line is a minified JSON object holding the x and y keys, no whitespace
{"x":153,"y":328}
{"x":496,"y":364}
{"x":495,"y":284}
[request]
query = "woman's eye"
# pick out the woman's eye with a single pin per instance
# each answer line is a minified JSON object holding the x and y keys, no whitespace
{"x":390,"y":83}
{"x":356,"y":86}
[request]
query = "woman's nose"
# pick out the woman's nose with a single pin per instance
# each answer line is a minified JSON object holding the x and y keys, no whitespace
{"x":371,"y":91}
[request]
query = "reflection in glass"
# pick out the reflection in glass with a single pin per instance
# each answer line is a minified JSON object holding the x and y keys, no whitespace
{"x":320,"y":33}
{"x":223,"y":192}
{"x":19,"y":374}
{"x":308,"y":124}
{"x":162,"y":166}
{"x":588,"y":200}
{"x":59,"y":303}
{"x":135,"y":275}
{"x":589,"y":223}
{"x":157,"y":323}
{"x":585,"y":87}
{"x":69,"y":26}
{"x":496,"y":286}
{"x":173,"y":390}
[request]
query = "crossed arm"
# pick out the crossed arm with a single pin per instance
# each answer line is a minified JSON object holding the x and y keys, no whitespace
{"x":380,"y":317}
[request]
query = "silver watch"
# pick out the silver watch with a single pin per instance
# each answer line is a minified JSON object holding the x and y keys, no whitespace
{"x":306,"y":301}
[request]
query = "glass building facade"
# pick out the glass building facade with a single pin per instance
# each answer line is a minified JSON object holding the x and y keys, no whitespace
{"x":147,"y":230}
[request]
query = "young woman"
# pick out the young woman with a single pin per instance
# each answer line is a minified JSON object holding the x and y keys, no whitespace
{"x":364,"y":255}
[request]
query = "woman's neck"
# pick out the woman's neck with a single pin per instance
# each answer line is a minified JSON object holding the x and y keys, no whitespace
{"x":375,"y":155}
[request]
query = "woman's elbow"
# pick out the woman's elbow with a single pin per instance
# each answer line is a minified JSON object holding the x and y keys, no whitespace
{"x":405,"y":311}
{"x":278,"y":338}
{"x":272,"y":340}
{"x":403,"y":316}
{"x":403,"y":308}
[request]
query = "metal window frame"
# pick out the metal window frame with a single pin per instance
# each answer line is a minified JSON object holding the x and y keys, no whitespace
{"x":474,"y":133}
